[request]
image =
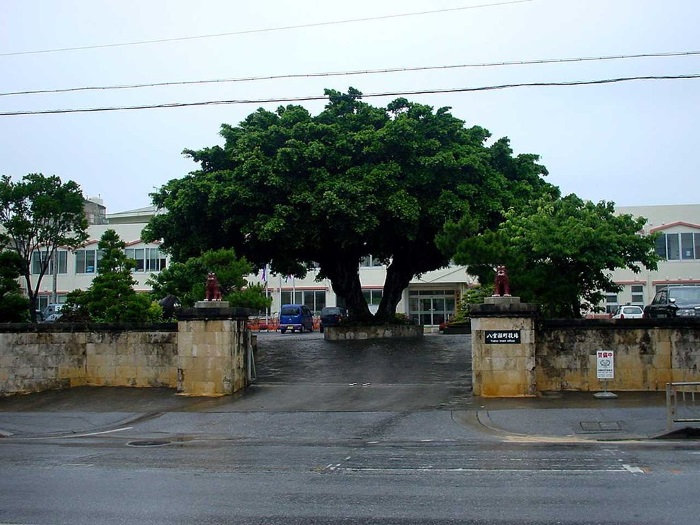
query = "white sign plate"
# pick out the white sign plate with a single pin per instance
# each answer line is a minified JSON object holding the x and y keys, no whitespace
{"x":605,"y":364}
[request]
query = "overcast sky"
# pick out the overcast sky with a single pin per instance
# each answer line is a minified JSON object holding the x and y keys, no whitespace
{"x":634,"y":143}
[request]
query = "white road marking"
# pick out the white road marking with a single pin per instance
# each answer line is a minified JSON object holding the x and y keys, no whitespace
{"x":98,"y":433}
{"x":462,"y":469}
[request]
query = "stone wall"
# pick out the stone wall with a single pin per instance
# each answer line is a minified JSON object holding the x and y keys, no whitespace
{"x":131,"y":358}
{"x":648,"y":353}
{"x":199,"y":357}
{"x":46,"y":357}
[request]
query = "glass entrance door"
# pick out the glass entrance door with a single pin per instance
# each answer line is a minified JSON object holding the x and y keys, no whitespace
{"x":431,"y":308}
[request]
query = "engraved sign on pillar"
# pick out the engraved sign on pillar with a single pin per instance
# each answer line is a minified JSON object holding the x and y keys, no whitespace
{"x":502,"y":337}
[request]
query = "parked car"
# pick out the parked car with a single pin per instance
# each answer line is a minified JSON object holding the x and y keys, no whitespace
{"x":51,"y":309}
{"x":629,"y":312}
{"x":296,"y":317}
{"x":52,"y":318}
{"x":331,"y":316}
{"x":675,"y":301}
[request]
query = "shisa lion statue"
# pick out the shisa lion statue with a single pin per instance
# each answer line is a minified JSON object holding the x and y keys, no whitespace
{"x":501,"y":286}
{"x":213,"y":289}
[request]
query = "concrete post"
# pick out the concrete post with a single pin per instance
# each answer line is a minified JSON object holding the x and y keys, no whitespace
{"x":503,"y":348}
{"x":212,"y":345}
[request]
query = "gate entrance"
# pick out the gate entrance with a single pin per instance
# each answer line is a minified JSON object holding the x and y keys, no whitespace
{"x":305,"y":372}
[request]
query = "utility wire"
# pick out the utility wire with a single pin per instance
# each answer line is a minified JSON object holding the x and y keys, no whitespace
{"x":357,"y":72}
{"x":263,"y":30}
{"x":371,"y":95}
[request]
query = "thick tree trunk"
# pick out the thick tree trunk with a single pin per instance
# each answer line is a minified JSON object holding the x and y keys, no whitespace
{"x":345,"y":279}
{"x":398,"y":276}
{"x":33,"y":296}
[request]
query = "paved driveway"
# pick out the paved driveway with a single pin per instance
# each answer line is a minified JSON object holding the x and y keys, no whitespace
{"x":303,"y":372}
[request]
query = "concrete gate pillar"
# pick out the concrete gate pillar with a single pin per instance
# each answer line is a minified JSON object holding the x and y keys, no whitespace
{"x":213,"y":344}
{"x":503,"y":348}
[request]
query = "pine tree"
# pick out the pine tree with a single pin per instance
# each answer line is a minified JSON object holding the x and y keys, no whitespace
{"x":111,"y":297}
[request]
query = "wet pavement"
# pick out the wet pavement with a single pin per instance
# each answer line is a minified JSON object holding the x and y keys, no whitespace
{"x":308,"y":358}
{"x":299,"y":373}
{"x":366,"y":432}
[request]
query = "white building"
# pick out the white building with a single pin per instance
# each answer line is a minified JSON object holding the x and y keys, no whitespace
{"x":430,"y":299}
{"x":73,"y":270}
{"x":678,"y":246}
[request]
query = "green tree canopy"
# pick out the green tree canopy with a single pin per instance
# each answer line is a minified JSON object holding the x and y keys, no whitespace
{"x":39,"y":214}
{"x":111,"y":297}
{"x":13,"y":304}
{"x":187,"y":281}
{"x":288,"y":188}
{"x":559,"y":252}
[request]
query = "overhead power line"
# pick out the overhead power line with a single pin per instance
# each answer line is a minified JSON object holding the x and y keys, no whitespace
{"x":357,"y":72}
{"x":370,"y":95}
{"x":263,"y":30}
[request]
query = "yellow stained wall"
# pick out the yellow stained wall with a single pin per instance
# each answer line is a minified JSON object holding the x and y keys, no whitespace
{"x":646,"y":358}
{"x":210,"y":361}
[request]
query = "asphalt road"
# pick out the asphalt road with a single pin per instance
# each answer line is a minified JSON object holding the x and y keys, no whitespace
{"x":366,"y":432}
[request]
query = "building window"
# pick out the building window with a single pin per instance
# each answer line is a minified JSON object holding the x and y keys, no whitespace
{"x":661,"y":246}
{"x":86,"y":261}
{"x":315,"y":300}
{"x":660,"y":287}
{"x":611,"y":302}
{"x":61,"y":256}
{"x":147,"y":259}
{"x":136,"y":254}
{"x":687,"y":246}
{"x":155,"y":261}
{"x":287,"y":298}
{"x":373,"y":296}
{"x":369,"y":262}
{"x":37,"y":258}
{"x":42,"y":301}
{"x":678,"y":246}
{"x":638,"y":294}
{"x":673,"y":249}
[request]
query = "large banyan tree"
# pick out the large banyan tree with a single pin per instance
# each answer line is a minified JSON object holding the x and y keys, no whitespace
{"x":290,"y":189}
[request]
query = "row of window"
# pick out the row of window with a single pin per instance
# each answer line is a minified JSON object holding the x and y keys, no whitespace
{"x":426,"y":307}
{"x":316,"y":299}
{"x":60,"y":259}
{"x":612,"y":301}
{"x":369,"y":261}
{"x":430,"y":307}
{"x":678,"y":246}
{"x":147,"y":260}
